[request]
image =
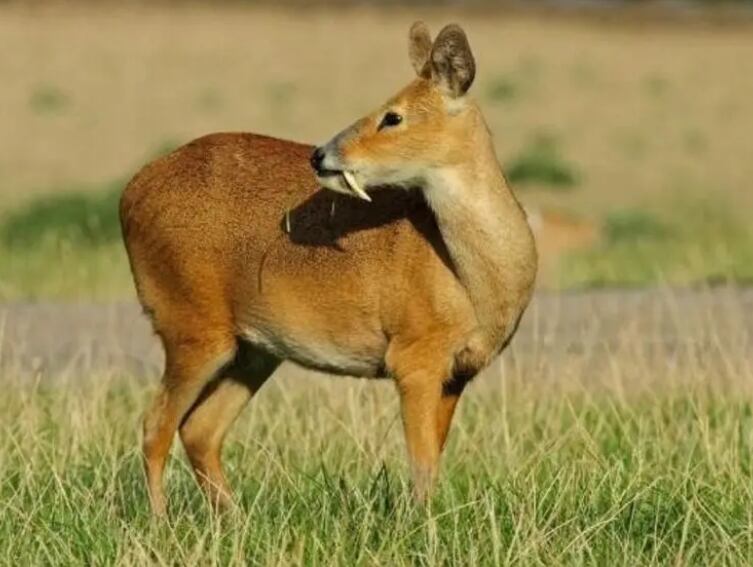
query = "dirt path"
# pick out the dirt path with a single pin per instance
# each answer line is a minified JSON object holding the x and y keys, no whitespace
{"x":50,"y":339}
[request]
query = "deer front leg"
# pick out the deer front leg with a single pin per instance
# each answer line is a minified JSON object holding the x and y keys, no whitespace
{"x":420,"y":394}
{"x":451,"y":392}
{"x":421,"y":362}
{"x":446,"y":410}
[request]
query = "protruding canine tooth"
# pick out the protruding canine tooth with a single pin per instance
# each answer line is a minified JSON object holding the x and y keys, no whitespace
{"x":351,"y":181}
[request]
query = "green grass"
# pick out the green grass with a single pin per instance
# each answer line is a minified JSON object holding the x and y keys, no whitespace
{"x":634,"y":225}
{"x":66,"y":245}
{"x":209,"y":100}
{"x":48,"y":99}
{"x":61,"y":270}
{"x":656,"y":85}
{"x":82,"y":217}
{"x":541,"y":164}
{"x":534,"y":474}
{"x":502,"y":89}
{"x":693,"y":241}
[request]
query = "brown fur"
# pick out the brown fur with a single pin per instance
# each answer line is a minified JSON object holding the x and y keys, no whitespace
{"x":243,"y":260}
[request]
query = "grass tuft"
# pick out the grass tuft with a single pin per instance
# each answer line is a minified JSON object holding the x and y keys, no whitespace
{"x":502,"y":89}
{"x":698,"y":241}
{"x":65,"y":245}
{"x":209,"y":100}
{"x":656,"y":85}
{"x":80,"y":217}
{"x":48,"y":99}
{"x":633,"y":225}
{"x":541,"y":164}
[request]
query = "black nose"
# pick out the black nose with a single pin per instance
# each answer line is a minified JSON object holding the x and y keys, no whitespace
{"x":317,"y":158}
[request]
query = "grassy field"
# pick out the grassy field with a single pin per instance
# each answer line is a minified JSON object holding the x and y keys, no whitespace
{"x":631,"y":445}
{"x":626,"y":454}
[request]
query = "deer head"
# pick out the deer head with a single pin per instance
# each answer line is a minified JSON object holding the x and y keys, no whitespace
{"x":425,"y":126}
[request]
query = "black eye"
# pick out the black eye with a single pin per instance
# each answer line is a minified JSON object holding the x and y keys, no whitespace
{"x":390,"y":119}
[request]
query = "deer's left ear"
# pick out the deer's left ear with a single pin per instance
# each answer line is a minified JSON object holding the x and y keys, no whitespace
{"x":451,"y":60}
{"x":419,"y":49}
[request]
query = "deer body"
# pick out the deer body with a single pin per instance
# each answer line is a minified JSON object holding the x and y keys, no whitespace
{"x":243,"y":259}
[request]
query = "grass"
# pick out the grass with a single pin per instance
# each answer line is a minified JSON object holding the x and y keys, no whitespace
{"x":59,"y":270}
{"x":209,"y":100}
{"x":656,"y":85}
{"x":692,"y":241}
{"x":619,"y":457}
{"x":617,"y":452}
{"x":502,"y":89}
{"x":48,"y":99}
{"x":81,"y":217}
{"x":633,"y":225}
{"x":540,"y":163}
{"x":64,"y":245}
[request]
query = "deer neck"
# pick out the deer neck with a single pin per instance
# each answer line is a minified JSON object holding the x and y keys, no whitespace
{"x":486,"y":233}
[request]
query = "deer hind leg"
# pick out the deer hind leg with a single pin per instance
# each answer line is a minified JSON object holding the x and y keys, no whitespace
{"x":190,"y":364}
{"x":204,"y":428}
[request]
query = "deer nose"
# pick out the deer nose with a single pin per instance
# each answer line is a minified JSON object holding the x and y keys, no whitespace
{"x":317,"y":158}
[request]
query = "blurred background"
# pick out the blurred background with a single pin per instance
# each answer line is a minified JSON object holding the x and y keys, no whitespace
{"x":624,"y":127}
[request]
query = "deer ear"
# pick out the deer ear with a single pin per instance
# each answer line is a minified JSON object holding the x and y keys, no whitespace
{"x":419,"y":49}
{"x":452,"y":64}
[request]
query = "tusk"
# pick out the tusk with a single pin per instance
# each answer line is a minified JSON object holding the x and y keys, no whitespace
{"x":353,"y":184}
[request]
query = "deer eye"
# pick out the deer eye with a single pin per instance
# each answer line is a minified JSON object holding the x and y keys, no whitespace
{"x":390,"y":119}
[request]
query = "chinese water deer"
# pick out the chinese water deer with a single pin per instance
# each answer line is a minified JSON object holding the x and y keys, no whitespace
{"x":394,"y":250}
